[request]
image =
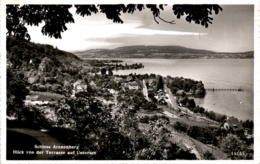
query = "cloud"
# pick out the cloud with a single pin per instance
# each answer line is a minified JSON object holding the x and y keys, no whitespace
{"x":143,"y":31}
{"x":104,"y":30}
{"x":82,"y":34}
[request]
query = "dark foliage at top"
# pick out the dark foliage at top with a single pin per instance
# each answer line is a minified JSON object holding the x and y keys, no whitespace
{"x":55,"y":17}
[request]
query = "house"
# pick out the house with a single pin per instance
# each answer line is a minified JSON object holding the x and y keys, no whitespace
{"x":118,"y":79}
{"x":133,"y":85}
{"x":161,"y":97}
{"x":234,"y":123}
{"x":180,"y":92}
{"x":152,"y":83}
{"x":79,"y":86}
{"x":93,"y":84}
{"x":35,"y":102}
{"x":112,"y":91}
{"x":129,"y":78}
{"x":248,"y":134}
{"x":162,"y":102}
{"x":226,"y":126}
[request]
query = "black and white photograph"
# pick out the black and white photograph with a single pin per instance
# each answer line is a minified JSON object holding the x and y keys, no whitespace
{"x":129,"y":82}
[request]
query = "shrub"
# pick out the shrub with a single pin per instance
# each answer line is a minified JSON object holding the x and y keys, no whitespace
{"x":181,"y":127}
{"x":208,"y":155}
{"x":144,"y":119}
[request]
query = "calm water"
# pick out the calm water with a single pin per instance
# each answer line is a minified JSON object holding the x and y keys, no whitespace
{"x":214,"y":73}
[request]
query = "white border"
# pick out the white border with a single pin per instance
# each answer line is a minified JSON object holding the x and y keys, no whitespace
{"x":221,"y":2}
{"x":129,"y":1}
{"x":3,"y":81}
{"x":256,"y":82}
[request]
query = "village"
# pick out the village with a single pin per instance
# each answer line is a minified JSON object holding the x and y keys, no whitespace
{"x":153,"y":103}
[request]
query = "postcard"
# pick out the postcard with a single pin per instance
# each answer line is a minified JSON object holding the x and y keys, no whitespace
{"x":128,"y":82}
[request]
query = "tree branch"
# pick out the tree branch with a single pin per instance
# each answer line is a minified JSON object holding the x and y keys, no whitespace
{"x":170,"y":22}
{"x":154,"y":17}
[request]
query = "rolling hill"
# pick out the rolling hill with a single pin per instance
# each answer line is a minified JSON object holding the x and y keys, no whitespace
{"x":24,"y":54}
{"x":40,"y":62}
{"x":166,"y":52}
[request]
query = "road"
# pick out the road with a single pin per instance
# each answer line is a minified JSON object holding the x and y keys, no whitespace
{"x":145,"y":91}
{"x":191,"y":116}
{"x":116,"y":107}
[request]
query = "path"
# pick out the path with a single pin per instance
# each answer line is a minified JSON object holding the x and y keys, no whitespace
{"x":116,"y":107}
{"x":145,"y":91}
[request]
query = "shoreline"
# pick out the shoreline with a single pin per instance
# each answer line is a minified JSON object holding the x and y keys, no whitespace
{"x":247,"y":96}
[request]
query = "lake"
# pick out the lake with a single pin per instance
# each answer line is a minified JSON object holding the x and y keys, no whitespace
{"x":214,"y":73}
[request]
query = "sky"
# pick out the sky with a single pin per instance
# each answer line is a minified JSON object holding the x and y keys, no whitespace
{"x":231,"y":31}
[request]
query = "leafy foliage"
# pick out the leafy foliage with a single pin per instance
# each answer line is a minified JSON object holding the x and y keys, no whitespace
{"x":208,"y":155}
{"x":165,"y":150}
{"x":248,"y":124}
{"x":196,"y":13}
{"x":207,"y":135}
{"x":159,"y":83}
{"x":196,"y":88}
{"x":181,"y":127}
{"x":55,"y":17}
{"x":231,"y":145}
{"x":16,"y":93}
{"x":115,"y":146}
{"x":94,"y":123}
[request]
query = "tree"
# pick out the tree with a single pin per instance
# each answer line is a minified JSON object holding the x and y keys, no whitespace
{"x":248,"y":124}
{"x":94,"y":123}
{"x":208,"y":155}
{"x":159,"y":83}
{"x":181,"y":127}
{"x":115,"y":146}
{"x":16,"y":93}
{"x":110,"y":72}
{"x":231,"y":145}
{"x":103,"y":71}
{"x":190,"y":103}
{"x":56,"y":17}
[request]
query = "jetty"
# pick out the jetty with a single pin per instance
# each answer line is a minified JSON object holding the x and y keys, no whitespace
{"x":225,"y":89}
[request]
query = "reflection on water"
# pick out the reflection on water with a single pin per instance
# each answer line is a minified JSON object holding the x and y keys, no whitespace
{"x":215,"y":73}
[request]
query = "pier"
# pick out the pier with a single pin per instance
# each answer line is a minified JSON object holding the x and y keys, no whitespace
{"x":225,"y":89}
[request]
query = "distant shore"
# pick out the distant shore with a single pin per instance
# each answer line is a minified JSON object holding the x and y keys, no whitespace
{"x":162,"y":52}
